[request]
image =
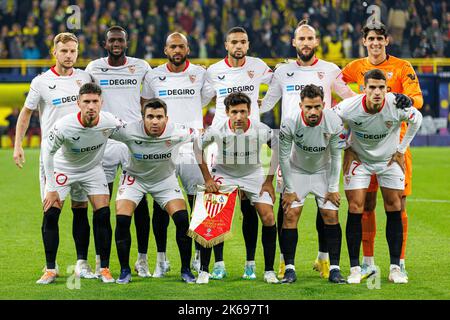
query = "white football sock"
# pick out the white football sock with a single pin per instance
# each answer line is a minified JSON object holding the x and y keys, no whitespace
{"x":370,"y":261}
{"x":142,"y":256}
{"x":323,"y":256}
{"x":160,"y":256}
{"x":290,"y":266}
{"x":250,"y":263}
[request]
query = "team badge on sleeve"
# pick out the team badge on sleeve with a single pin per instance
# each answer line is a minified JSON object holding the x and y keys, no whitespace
{"x":212,"y":216}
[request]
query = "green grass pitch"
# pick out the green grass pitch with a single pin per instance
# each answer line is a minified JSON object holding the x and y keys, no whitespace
{"x":428,"y":259}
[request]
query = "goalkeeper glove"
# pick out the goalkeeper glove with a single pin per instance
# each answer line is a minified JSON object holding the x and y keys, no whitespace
{"x":402,"y":101}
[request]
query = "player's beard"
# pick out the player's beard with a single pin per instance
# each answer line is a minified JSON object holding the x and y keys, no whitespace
{"x":179,"y":62}
{"x":313,"y":121}
{"x":307,"y":57}
{"x":92,"y":117}
{"x":89,"y":119}
{"x":235,"y":56}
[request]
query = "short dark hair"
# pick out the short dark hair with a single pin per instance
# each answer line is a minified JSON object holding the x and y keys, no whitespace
{"x":377,"y":26}
{"x":154,"y":103}
{"x":376,"y":74}
{"x":311,"y":91}
{"x":116,"y":28}
{"x":90,"y":87}
{"x":235,"y":30}
{"x":233,"y":99}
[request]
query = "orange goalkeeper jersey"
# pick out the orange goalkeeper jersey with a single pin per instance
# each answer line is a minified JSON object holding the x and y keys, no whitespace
{"x":400,"y":76}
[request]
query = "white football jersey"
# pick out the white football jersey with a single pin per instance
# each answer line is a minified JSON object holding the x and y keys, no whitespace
{"x":80,"y":148}
{"x":289,"y":80}
{"x":121,"y":86}
{"x":152,"y":158}
{"x":311,"y":150}
{"x":181,"y":91}
{"x":238,"y":152}
{"x":55,"y":96}
{"x":223,"y":79}
{"x":375,"y":137}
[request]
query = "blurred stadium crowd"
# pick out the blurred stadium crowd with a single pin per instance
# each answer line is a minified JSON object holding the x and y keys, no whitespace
{"x":418,"y":28}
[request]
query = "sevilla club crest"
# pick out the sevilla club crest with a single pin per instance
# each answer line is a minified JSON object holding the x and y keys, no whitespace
{"x":212,"y":215}
{"x":132,"y":69}
{"x":192,"y":77}
{"x":388,"y":124}
{"x":79,"y":83}
{"x":214,"y":203}
{"x":251,"y":74}
{"x":320,"y":74}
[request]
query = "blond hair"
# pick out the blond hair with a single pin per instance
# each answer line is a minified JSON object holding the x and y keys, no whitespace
{"x":64,"y":37}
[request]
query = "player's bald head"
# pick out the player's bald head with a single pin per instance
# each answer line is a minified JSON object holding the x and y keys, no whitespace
{"x":177,"y":48}
{"x":176,"y":36}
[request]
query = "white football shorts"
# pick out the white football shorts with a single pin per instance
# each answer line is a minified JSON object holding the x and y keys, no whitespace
{"x":92,"y":182}
{"x":134,"y":188}
{"x":77,"y":194}
{"x":315,"y":183}
{"x":391,"y":177}
{"x":250,"y":184}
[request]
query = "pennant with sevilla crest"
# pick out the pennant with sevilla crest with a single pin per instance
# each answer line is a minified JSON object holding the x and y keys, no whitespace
{"x":212,"y":216}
